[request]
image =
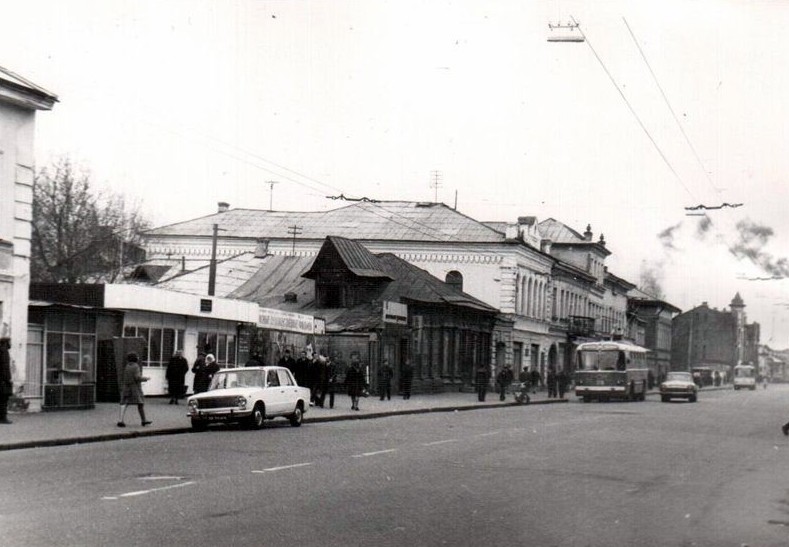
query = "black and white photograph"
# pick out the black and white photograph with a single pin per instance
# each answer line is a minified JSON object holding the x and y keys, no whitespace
{"x":394,"y":272}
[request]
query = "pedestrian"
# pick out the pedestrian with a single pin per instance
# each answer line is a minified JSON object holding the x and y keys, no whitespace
{"x":535,"y":380}
{"x":551,"y":381}
{"x":562,"y":381}
{"x":177,"y":368}
{"x":204,"y":369}
{"x":503,"y":380}
{"x":332,"y":381}
{"x":288,"y":361}
{"x":302,"y":366}
{"x":6,"y":382}
{"x":131,"y":390}
{"x":407,"y":378}
{"x":481,"y":379}
{"x":321,"y":379}
{"x":354,"y":379}
{"x":385,"y":375}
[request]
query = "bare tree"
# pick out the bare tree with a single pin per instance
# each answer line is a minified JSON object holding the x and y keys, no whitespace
{"x":80,"y":234}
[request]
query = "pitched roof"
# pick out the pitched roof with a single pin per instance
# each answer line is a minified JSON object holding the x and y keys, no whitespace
{"x":354,"y":255}
{"x":26,"y":93}
{"x":385,"y":220}
{"x":558,"y":232}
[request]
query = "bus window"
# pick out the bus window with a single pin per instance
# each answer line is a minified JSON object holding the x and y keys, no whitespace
{"x":621,"y":361}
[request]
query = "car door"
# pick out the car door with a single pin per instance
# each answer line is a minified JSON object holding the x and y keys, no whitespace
{"x":290,"y":391}
{"x":276,"y":402}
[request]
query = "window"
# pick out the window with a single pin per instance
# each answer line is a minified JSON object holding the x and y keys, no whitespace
{"x":455,"y":279}
{"x":70,"y":346}
{"x":272,"y":379}
{"x":284,"y":378}
{"x":161,"y":343}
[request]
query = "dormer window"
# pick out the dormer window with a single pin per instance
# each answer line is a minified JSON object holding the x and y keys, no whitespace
{"x":455,"y":279}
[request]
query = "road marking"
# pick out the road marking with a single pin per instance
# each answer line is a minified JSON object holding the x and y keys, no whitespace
{"x":440,"y":442}
{"x":374,"y":453}
{"x":489,"y":434}
{"x":150,"y":491}
{"x":160,"y":478}
{"x":280,"y":468}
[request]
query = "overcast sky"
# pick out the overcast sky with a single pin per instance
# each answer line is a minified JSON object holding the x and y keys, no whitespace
{"x":179,"y":105}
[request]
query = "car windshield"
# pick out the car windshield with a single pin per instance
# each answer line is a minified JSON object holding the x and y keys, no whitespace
{"x":237,"y":378}
{"x":679,"y":377}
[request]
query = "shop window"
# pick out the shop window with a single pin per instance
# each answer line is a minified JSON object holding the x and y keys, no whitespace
{"x":129,"y":332}
{"x":168,"y":344}
{"x":155,"y":351}
{"x":231,"y":350}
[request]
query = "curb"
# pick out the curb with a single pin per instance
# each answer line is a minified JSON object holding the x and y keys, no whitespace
{"x":46,"y":443}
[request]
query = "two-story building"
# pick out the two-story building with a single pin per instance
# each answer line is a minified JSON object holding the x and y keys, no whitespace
{"x":20,"y":99}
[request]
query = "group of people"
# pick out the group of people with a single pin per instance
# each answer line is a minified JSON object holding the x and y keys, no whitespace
{"x":556,"y":382}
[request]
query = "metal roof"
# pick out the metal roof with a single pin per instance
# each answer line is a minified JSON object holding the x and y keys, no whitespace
{"x":386,"y":220}
{"x":559,"y":232}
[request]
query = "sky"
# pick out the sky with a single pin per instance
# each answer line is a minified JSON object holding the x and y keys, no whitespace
{"x":178,"y":105}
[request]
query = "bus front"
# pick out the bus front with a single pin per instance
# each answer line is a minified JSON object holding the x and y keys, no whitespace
{"x":600,"y":374}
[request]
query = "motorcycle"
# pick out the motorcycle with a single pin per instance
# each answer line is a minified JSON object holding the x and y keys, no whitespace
{"x":520,"y":391}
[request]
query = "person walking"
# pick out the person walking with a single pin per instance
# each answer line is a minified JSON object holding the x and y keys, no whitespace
{"x":131,"y":390}
{"x":332,"y":381}
{"x":6,"y":382}
{"x":204,"y":369}
{"x":535,"y":380}
{"x":354,"y":379}
{"x":385,"y":375}
{"x":481,"y":379}
{"x":288,"y":362}
{"x":322,"y":379}
{"x":175,"y":374}
{"x":503,"y":380}
{"x":302,"y":368}
{"x":562,"y":381}
{"x":550,"y":379}
{"x":407,"y":378}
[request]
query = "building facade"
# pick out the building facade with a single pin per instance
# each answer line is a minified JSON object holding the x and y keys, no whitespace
{"x":19,"y":101}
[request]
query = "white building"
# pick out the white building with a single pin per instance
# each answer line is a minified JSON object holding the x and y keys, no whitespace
{"x":19,"y":101}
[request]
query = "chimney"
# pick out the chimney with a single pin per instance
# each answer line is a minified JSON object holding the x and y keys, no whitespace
{"x":545,"y":246}
{"x":588,"y":233}
{"x":261,"y":248}
{"x":222,"y":207}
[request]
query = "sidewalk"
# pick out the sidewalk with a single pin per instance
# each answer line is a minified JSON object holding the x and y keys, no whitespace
{"x":64,"y":427}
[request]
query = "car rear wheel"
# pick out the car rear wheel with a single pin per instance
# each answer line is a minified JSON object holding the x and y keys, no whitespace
{"x":258,"y":417}
{"x":297,"y":417}
{"x":199,"y":425}
{"x":665,"y":398}
{"x":692,"y":399}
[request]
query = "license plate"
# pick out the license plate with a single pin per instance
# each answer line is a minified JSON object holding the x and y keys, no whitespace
{"x":600,"y":382}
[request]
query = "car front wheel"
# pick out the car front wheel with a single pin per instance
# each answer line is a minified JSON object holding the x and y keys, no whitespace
{"x":199,"y":425}
{"x":693,"y":399}
{"x":665,"y":398}
{"x":297,"y":417}
{"x":258,"y":417}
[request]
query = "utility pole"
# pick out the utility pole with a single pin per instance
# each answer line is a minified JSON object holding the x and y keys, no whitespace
{"x":212,"y":265}
{"x":271,"y":184}
{"x":435,"y":182}
{"x":294,"y":231}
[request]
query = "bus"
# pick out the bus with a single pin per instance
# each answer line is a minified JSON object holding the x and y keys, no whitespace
{"x":611,"y":370}
{"x":744,"y":377}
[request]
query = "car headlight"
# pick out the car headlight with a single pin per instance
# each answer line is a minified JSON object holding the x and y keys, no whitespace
{"x":192,"y":403}
{"x":241,"y":402}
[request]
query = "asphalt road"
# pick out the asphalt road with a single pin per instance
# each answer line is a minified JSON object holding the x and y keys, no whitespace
{"x":648,"y":473}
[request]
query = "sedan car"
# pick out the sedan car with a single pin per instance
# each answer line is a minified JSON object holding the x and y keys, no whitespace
{"x":679,"y":385}
{"x":249,"y":395}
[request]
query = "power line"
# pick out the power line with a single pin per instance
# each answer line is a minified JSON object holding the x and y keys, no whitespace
{"x":633,"y":112}
{"x":671,"y":109}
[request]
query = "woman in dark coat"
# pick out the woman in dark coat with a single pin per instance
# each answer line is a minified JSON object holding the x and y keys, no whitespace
{"x":354,"y":379}
{"x":204,"y":370}
{"x":176,"y":372}
{"x":131,"y":390}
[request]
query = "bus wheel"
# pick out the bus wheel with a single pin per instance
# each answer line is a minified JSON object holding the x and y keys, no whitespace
{"x":587,"y":399}
{"x":631,"y":393}
{"x":643,"y":396}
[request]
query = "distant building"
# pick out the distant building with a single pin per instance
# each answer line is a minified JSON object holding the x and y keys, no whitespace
{"x":718,"y":339}
{"x":19,"y":101}
{"x":656,"y":316}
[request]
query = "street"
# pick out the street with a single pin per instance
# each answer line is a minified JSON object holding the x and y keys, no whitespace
{"x":649,"y":473}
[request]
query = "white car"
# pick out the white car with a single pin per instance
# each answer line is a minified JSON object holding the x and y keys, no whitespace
{"x":679,"y":385}
{"x":249,"y":395}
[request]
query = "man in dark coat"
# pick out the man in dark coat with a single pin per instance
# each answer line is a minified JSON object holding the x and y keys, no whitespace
{"x":354,"y":378}
{"x":302,"y":366}
{"x":550,"y":379}
{"x":407,"y":378}
{"x":385,"y":374}
{"x":6,"y":383}
{"x":176,"y":372}
{"x":503,"y":380}
{"x":481,"y":379}
{"x":254,"y":361}
{"x":562,"y":381}
{"x":535,"y":380}
{"x":288,"y":362}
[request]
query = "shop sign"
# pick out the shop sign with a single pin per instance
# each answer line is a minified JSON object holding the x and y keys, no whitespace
{"x":284,"y":320}
{"x":319,"y":326}
{"x":395,"y":312}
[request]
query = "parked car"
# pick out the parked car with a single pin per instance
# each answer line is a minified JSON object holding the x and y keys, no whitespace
{"x":679,"y":385}
{"x":249,"y":395}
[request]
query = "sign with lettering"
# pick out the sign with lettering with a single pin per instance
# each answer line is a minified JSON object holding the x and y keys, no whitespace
{"x":284,"y":320}
{"x":395,"y":312}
